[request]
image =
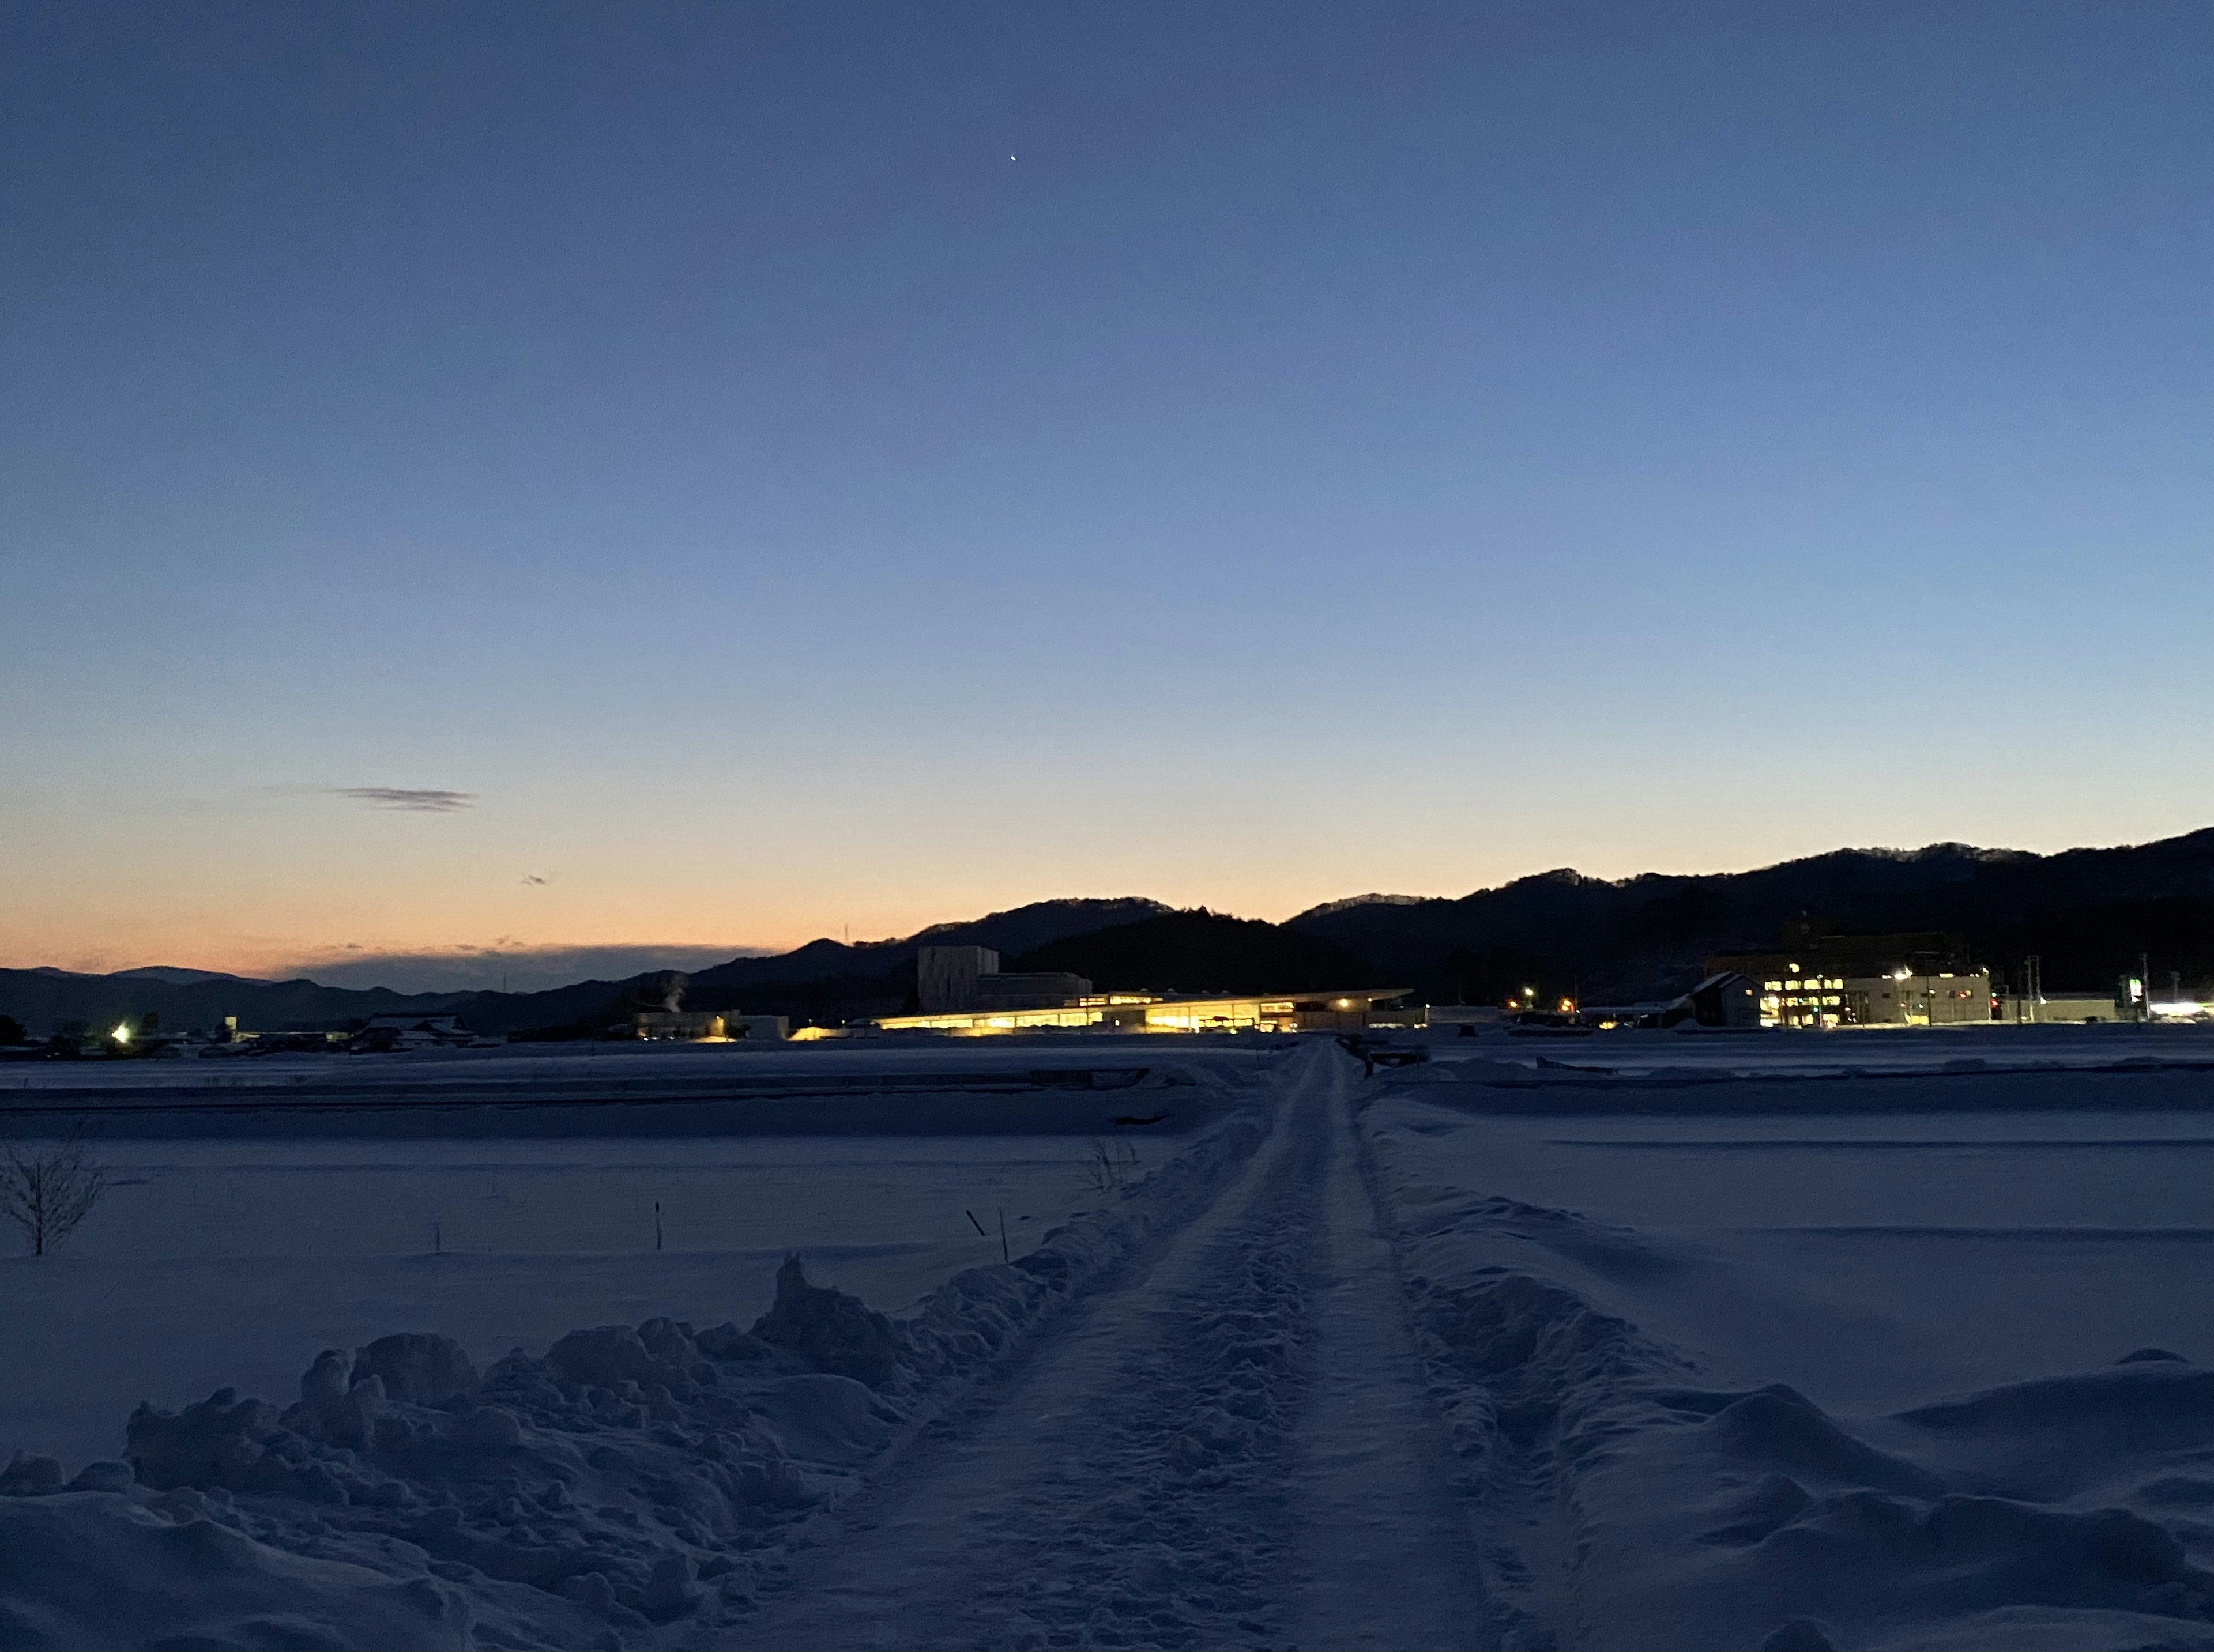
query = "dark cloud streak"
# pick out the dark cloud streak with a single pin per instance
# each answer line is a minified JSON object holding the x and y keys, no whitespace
{"x":419,"y":802}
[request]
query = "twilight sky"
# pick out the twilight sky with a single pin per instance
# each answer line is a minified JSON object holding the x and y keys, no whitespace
{"x":692,"y":476}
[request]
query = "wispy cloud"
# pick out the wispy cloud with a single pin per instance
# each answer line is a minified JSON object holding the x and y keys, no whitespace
{"x":419,"y":801}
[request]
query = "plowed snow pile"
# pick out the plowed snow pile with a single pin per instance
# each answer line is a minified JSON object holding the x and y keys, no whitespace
{"x":1854,"y":1364}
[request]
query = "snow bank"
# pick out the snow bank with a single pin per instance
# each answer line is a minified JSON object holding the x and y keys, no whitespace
{"x":634,"y":1477}
{"x":1628,"y":1505}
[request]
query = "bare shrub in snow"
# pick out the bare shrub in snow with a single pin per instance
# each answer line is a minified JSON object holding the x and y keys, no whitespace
{"x":47,"y":1188}
{"x":1109,"y":1166}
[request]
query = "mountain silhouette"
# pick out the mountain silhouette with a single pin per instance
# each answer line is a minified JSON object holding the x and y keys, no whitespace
{"x":2088,"y":913}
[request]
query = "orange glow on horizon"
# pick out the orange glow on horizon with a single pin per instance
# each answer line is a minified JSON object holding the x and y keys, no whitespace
{"x":274,"y":896}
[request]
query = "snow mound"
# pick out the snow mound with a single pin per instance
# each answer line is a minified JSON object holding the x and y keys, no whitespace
{"x":423,"y":1369}
{"x":1934,"y":1559}
{"x":97,"y":1569}
{"x":827,"y":1418}
{"x":1779,"y":1426}
{"x":831,"y":1330}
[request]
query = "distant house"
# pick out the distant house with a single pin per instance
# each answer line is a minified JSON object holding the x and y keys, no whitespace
{"x":1723,"y":999}
{"x":413,"y":1033}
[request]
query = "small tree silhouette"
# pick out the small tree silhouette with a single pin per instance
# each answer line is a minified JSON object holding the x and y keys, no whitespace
{"x":47,"y":1189}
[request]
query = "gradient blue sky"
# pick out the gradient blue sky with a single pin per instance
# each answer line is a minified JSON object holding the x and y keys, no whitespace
{"x":1354,"y":447}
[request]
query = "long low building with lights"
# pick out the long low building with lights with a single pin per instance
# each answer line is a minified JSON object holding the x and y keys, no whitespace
{"x":1340,"y":1010}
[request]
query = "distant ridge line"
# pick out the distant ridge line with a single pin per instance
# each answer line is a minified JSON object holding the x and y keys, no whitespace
{"x":2088,"y":913}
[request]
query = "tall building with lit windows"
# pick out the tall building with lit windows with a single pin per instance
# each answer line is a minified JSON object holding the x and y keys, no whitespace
{"x":1792,"y":997}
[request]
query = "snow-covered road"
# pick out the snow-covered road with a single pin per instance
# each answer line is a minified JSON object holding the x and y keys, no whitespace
{"x":1234,"y":1448}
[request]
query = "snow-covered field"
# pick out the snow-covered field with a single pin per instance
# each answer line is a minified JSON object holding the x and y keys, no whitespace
{"x":234,"y":1263}
{"x":234,"y":1247}
{"x":1723,"y":1357}
{"x":1867,"y":1260}
{"x":1869,"y":1340}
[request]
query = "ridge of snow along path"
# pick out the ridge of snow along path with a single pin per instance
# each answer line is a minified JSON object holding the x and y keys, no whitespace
{"x":1234,"y":1449}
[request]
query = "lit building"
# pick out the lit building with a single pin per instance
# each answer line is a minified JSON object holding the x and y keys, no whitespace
{"x":1825,"y":978}
{"x":1350,"y":1009}
{"x":1901,"y":999}
{"x":1793,"y":997}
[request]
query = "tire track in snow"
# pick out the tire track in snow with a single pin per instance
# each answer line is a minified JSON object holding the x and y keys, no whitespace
{"x":1388,"y":1552}
{"x":1237,"y":1449}
{"x":1132,"y":1485}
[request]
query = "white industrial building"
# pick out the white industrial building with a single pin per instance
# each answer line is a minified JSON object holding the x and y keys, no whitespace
{"x":1797,"y":997}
